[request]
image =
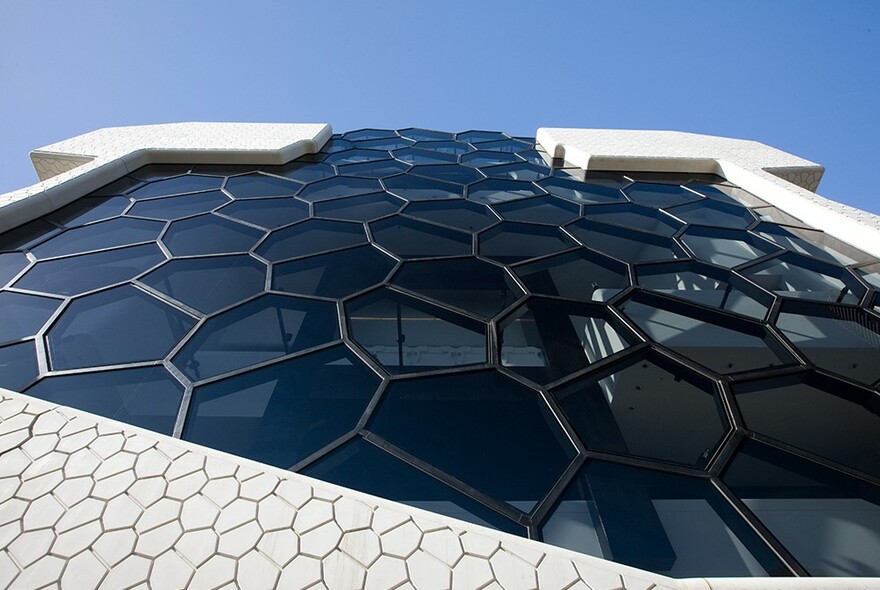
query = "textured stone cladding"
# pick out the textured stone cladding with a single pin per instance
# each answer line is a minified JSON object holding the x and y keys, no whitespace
{"x":91,"y":503}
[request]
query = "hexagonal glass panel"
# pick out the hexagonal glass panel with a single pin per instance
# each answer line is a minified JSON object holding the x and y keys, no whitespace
{"x":302,"y":171}
{"x":706,"y":285}
{"x":389,"y":143}
{"x":99,"y":236}
{"x":729,"y":248}
{"x":480,"y":158}
{"x":268,"y":213}
{"x":378,"y":169}
{"x":357,"y":464}
{"x":338,"y":274}
{"x":809,"y":242}
{"x":148,"y":397}
{"x":29,"y":234}
{"x":409,"y":238}
{"x":624,"y":244}
{"x":336,"y":145}
{"x":581,"y":192}
{"x":870,"y":273}
{"x":547,"y":210}
{"x":77,"y":274}
{"x":479,"y":135}
{"x":547,"y":339}
{"x":722,"y":343}
{"x":406,"y":334}
{"x":362,"y":208}
{"x":177,"y":185}
{"x":24,"y":315}
{"x":367,"y":134}
{"x":262,"y":329}
{"x":714,"y":213}
{"x":647,"y":406}
{"x":209,"y":234}
{"x":445,"y":147}
{"x":518,"y":171}
{"x":810,"y":509}
{"x":843,"y":340}
{"x":471,"y":217}
{"x":209,"y":284}
{"x":669,"y":524}
{"x":800,"y":277}
{"x":636,"y":217}
{"x":511,"y":242}
{"x":652,"y":194}
{"x":18,"y":365}
{"x":169,"y":208}
{"x":422,"y":189}
{"x":479,"y":287}
{"x":493,"y":191}
{"x":11,"y":263}
{"x":284,"y":412}
{"x":488,"y":414}
{"x":505,"y":145}
{"x":449,"y":173}
{"x":311,"y":237}
{"x":818,"y":414}
{"x":354,"y":156}
{"x":417,"y":156}
{"x":160,"y":171}
{"x":582,"y":274}
{"x":419,"y":134}
{"x":117,"y":187}
{"x":88,"y":210}
{"x":96,"y":330}
{"x":260,"y":185}
{"x":339,"y":186}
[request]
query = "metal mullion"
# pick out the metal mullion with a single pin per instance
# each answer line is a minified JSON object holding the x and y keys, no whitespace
{"x":323,"y":451}
{"x":550,"y":500}
{"x":103,"y":368}
{"x":601,"y":365}
{"x":646,"y":463}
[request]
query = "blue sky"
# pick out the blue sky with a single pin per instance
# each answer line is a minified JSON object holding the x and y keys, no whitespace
{"x":803,"y":76}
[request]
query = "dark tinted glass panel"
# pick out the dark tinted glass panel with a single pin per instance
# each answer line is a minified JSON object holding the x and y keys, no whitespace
{"x":209,"y":284}
{"x":27,"y":235}
{"x":425,"y":134}
{"x":649,"y":407}
{"x":160,"y":171}
{"x":18,"y":365}
{"x":659,"y":195}
{"x":176,"y":186}
{"x":714,"y":213}
{"x":478,"y":136}
{"x":508,"y":145}
{"x":362,"y":466}
{"x":512,"y":242}
{"x":581,"y":192}
{"x":302,"y":171}
{"x":339,"y":186}
{"x":800,"y":277}
{"x":726,"y":248}
{"x":169,"y":208}
{"x":829,"y":522}
{"x":546,"y":340}
{"x":575,"y":275}
{"x":518,"y":171}
{"x":624,"y":244}
{"x":209,"y":234}
{"x":500,"y":191}
{"x":118,"y":187}
{"x":337,"y":274}
{"x":445,"y":147}
{"x":268,"y":213}
{"x":97,"y":329}
{"x":106,"y":234}
{"x":284,"y":412}
{"x":407,"y":334}
{"x":464,"y":215}
{"x":540,"y":210}
{"x":842,"y":340}
{"x":378,"y":169}
{"x":488,"y":414}
{"x":635,"y":216}
{"x":422,"y":189}
{"x":409,"y":238}
{"x":363,"y":208}
{"x":480,"y":158}
{"x":809,"y":242}
{"x":259,"y":185}
{"x":354,"y":156}
{"x":147,"y":397}
{"x":449,"y":173}
{"x":389,"y":143}
{"x":670,"y":524}
{"x":420,"y":156}
{"x":11,"y":263}
{"x":479,"y":287}
{"x":716,"y":342}
{"x":89,"y":209}
{"x":817,"y":414}
{"x":365,"y":134}
{"x":311,"y":237}
{"x":78,"y":274}
{"x":265,"y":328}
{"x":24,"y":315}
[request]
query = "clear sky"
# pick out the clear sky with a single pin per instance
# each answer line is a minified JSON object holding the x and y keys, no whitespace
{"x":802,"y":76}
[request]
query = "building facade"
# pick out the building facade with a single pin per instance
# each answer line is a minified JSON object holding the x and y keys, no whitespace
{"x":411,"y":358}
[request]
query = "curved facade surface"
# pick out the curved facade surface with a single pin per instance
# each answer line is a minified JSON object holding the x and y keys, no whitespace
{"x":658,"y":369}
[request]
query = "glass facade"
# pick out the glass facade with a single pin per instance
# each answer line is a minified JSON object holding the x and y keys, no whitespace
{"x":653,"y":368}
